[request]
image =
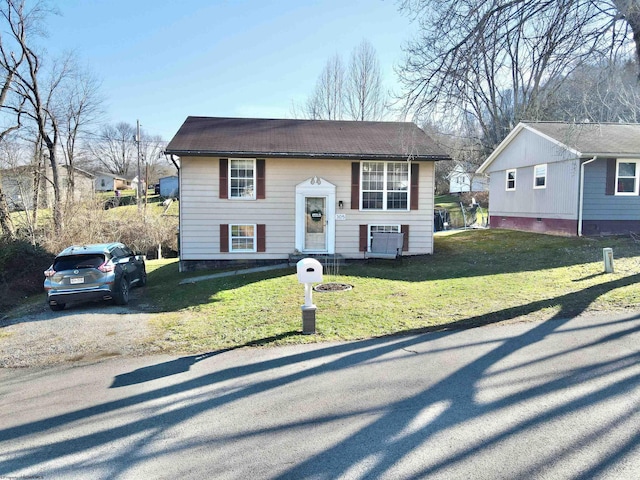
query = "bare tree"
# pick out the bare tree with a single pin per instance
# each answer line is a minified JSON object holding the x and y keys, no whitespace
{"x":363,"y":93}
{"x":354,"y":92}
{"x":494,"y":62}
{"x":38,"y":87}
{"x":115,"y":148}
{"x":9,"y":65}
{"x":326,"y":102}
{"x":80,"y":107}
{"x":602,"y":92}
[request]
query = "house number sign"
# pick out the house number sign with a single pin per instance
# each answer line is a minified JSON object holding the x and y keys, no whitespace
{"x":316,"y":215}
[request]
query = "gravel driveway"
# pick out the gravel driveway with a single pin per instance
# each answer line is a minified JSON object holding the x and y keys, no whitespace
{"x":87,"y":331}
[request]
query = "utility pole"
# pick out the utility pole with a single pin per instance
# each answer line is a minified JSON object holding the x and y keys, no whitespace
{"x":139,"y":189}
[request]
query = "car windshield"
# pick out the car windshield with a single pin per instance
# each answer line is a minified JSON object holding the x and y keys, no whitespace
{"x":73,"y":262}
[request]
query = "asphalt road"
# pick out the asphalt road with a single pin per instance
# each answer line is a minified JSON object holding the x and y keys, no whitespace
{"x":556,"y":399}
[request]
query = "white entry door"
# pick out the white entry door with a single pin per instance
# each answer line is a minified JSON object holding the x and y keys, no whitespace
{"x":315,"y":216}
{"x":315,"y":224}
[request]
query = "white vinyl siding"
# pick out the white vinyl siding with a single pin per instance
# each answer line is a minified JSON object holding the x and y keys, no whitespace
{"x":202,"y":211}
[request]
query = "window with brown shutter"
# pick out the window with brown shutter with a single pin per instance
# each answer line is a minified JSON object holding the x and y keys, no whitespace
{"x":224,"y":238}
{"x":224,"y":183}
{"x":405,"y":242}
{"x":415,"y":176}
{"x":261,"y":240}
{"x":355,"y":186}
{"x":260,"y":179}
{"x":610,"y":188}
{"x":364,"y":238}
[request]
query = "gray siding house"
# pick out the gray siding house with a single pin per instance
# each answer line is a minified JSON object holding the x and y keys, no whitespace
{"x":260,"y":190}
{"x":566,"y":178}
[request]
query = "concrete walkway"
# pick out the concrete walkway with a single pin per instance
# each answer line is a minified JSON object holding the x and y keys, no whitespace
{"x":232,"y":273}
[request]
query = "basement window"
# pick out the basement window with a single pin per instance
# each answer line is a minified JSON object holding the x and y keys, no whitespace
{"x":242,"y":238}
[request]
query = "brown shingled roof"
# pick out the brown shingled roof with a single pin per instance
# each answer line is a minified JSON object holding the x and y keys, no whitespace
{"x":303,"y":139}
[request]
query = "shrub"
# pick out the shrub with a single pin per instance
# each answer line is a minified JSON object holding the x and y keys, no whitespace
{"x":21,"y":267}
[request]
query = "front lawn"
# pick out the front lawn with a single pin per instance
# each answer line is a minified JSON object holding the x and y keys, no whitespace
{"x":474,"y":278}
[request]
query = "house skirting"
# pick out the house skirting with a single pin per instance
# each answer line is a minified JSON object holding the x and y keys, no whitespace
{"x":194,"y":265}
{"x":553,"y":226}
{"x":610,"y":227}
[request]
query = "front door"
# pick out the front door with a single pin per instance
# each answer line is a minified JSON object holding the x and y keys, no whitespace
{"x":315,"y":228}
{"x":315,"y":216}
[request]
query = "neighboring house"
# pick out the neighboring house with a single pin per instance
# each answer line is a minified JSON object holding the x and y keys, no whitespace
{"x":108,"y":182}
{"x":260,"y":190}
{"x":134,"y":184}
{"x":463,"y":178}
{"x":18,"y":185}
{"x":566,"y":178}
{"x":169,"y":187}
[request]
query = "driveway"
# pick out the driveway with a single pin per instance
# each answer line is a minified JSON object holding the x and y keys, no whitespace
{"x":83,"y":331}
{"x":556,"y":400}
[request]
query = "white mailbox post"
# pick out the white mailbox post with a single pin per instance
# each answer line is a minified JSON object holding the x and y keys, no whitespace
{"x":309,"y":272}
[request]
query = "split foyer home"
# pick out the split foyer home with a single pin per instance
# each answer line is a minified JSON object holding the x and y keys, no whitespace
{"x":566,"y":178}
{"x":260,"y":190}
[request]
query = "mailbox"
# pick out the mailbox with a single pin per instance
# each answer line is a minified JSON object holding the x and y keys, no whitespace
{"x":309,"y":271}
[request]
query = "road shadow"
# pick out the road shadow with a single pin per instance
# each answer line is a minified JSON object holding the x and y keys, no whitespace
{"x":394,"y":434}
{"x":183,"y":364}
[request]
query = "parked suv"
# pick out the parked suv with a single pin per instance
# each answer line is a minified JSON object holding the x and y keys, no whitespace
{"x":104,"y":271}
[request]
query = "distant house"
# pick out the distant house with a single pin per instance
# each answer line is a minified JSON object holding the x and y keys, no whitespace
{"x":134,"y":184}
{"x":259,"y":190}
{"x":566,"y":178}
{"x":108,"y":182}
{"x":464,"y":178}
{"x":169,"y":187}
{"x":18,"y":185}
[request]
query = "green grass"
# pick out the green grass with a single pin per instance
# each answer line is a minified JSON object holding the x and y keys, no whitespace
{"x":474,"y":278}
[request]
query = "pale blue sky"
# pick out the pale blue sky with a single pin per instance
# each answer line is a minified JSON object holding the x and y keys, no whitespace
{"x":160,"y":61}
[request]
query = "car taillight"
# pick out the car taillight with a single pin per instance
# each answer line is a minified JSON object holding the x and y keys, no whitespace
{"x":107,"y":267}
{"x":50,"y":272}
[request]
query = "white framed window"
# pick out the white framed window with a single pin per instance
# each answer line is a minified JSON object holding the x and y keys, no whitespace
{"x":511,"y":179}
{"x":540,"y":176}
{"x":242,"y":238}
{"x":627,"y":172}
{"x":242,"y":178}
{"x":380,"y":228}
{"x":385,"y":185}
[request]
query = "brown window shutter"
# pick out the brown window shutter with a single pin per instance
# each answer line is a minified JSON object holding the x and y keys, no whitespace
{"x":262,"y":237}
{"x":260,"y":188}
{"x":224,"y":182}
{"x":415,"y":176}
{"x":610,"y":188}
{"x":355,"y":186}
{"x":405,"y":242}
{"x":224,"y":237}
{"x":364,"y":238}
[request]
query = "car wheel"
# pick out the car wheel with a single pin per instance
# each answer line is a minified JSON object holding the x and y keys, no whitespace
{"x":143,"y":278}
{"x":121,"y":296}
{"x":57,"y":307}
